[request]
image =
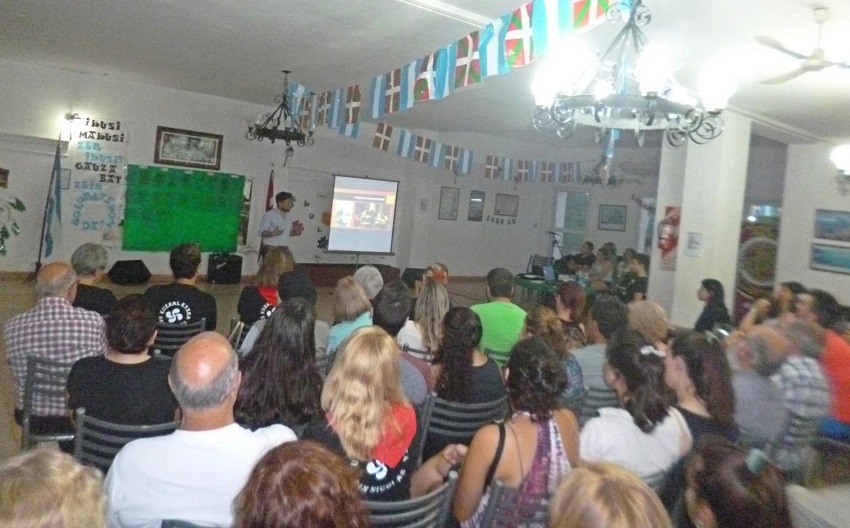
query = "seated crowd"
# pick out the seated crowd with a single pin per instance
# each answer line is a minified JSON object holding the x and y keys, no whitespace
{"x":304,"y":422}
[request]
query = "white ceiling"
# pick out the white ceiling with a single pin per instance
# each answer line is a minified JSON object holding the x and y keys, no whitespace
{"x":236,"y":49}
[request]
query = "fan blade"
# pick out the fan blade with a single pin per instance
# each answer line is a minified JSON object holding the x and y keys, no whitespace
{"x":771,"y":42}
{"x":785,"y":77}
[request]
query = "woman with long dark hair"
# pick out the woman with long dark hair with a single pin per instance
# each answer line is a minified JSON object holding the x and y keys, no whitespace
{"x":280,"y":380}
{"x":462,"y":373}
{"x":645,"y":435}
{"x":715,"y":311}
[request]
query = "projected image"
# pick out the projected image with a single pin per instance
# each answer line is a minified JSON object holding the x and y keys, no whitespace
{"x":362,"y":215}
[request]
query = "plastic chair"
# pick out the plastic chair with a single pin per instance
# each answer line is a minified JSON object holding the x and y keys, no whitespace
{"x":595,"y":399}
{"x":457,"y":422}
{"x":45,"y":379}
{"x":97,"y":441}
{"x":506,"y":502}
{"x":428,"y":511}
{"x":424,"y":355}
{"x":170,"y":337}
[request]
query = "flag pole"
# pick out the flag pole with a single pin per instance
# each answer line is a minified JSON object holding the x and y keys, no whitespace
{"x":53,"y":175}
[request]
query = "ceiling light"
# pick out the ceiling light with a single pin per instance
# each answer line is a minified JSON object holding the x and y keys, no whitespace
{"x":840,"y":157}
{"x":630,"y":87}
{"x":269,"y":125}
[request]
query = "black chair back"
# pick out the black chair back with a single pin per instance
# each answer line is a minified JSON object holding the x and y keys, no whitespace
{"x":595,"y":399}
{"x":457,"y":423}
{"x":45,"y":379}
{"x":429,"y":511}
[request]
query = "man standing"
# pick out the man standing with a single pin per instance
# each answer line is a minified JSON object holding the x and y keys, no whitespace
{"x":181,"y":301}
{"x":274,"y":228}
{"x":52,"y":330}
{"x":194,"y":473}
{"x":501,"y":319}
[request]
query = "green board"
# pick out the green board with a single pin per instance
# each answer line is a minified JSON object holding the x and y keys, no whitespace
{"x":165,"y":207}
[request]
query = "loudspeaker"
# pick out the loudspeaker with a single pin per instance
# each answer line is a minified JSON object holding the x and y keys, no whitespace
{"x":129,"y":272}
{"x":224,"y":268}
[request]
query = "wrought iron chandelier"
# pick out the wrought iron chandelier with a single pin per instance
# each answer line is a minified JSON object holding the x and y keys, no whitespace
{"x":269,"y":125}
{"x":629,"y":87}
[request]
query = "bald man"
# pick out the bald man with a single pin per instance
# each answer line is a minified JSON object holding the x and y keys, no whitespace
{"x":194,"y":473}
{"x":52,"y":330}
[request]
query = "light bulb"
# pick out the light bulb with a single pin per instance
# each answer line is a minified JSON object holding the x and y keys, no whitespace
{"x":653,"y":69}
{"x":716,"y":86}
{"x":603,"y":89}
{"x":840,"y":156}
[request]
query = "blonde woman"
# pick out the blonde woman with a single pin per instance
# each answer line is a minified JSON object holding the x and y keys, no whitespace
{"x":258,"y":301}
{"x":367,"y":417}
{"x":650,"y":320}
{"x":45,"y":488}
{"x":422,"y":336}
{"x":352,"y":310}
{"x":604,"y":495}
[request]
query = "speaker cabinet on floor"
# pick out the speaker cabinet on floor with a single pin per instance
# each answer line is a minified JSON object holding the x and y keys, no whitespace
{"x":129,"y":272}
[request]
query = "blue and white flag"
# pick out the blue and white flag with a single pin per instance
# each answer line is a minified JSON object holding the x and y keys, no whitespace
{"x":491,"y":49}
{"x":53,"y":225}
{"x":551,"y":21}
{"x":438,"y":151}
{"x":378,"y":96}
{"x":465,"y":161}
{"x":349,"y":129}
{"x":406,"y":142}
{"x":409,"y":73}
{"x":335,"y":115}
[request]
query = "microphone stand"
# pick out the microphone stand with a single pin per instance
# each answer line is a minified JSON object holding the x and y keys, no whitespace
{"x":556,"y":245}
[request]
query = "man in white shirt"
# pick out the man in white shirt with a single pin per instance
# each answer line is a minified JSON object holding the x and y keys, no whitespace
{"x":274,"y":229}
{"x":194,"y":473}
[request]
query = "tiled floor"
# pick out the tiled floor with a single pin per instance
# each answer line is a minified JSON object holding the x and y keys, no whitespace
{"x":16,"y":297}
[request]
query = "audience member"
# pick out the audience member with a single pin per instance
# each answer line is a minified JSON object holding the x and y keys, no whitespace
{"x":650,"y":320}
{"x":462,"y":373}
{"x":624,"y":266}
{"x":714,"y":312}
{"x":280,"y":381}
{"x":604,"y":495}
{"x":602,"y":271}
{"x":501,"y":319}
{"x":420,"y":338}
{"x":352,"y":310}
{"x":697,"y":370}
{"x":759,"y":409}
{"x":542,"y":322}
{"x":300,"y":485}
{"x":569,"y":305}
{"x":125,"y":385}
{"x":635,"y":290}
{"x":292,"y":285}
{"x":542,"y":438}
{"x":56,"y":331}
{"x":258,"y":300}
{"x":89,"y":263}
{"x":370,"y":279}
{"x":644,"y":435}
{"x":729,"y":487}
{"x":45,"y":488}
{"x":822,"y":309}
{"x":604,"y":319}
{"x":770,"y":311}
{"x":367,"y":417}
{"x":181,"y":301}
{"x":194,"y":473}
{"x":391,"y":308}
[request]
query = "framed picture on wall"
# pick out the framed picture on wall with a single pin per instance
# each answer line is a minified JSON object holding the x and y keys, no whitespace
{"x":825,"y":257}
{"x":832,"y":225}
{"x":449,"y":200}
{"x":476,"y":206}
{"x":612,"y":218}
{"x":187,"y":148}
{"x":507,"y":204}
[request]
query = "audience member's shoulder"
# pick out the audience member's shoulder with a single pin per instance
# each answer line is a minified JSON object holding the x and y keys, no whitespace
{"x":88,"y":315}
{"x":274,"y":435}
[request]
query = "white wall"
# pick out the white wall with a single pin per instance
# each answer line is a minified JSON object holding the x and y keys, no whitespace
{"x":35,"y":99}
{"x":809,"y":185}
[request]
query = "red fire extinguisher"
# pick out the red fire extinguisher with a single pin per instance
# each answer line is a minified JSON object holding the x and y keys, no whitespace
{"x":668,"y":231}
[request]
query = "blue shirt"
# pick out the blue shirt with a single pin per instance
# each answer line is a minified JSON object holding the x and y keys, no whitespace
{"x":342,"y":330}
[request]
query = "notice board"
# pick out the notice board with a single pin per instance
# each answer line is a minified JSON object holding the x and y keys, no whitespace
{"x":166,"y":206}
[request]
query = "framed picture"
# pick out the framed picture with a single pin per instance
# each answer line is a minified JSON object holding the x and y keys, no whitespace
{"x":476,"y":206}
{"x":832,"y":225}
{"x":449,"y":200}
{"x":506,"y":204}
{"x":612,"y":218}
{"x":186,"y":148}
{"x":830,"y":258}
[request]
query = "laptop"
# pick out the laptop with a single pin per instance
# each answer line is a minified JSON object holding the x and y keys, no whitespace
{"x":549,"y":273}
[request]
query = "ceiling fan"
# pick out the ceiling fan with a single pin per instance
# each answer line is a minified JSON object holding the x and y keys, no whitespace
{"x":810,"y":63}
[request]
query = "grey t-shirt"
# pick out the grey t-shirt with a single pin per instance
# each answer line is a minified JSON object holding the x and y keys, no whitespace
{"x":759,"y":409}
{"x":591,"y":358}
{"x":412,"y":383}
